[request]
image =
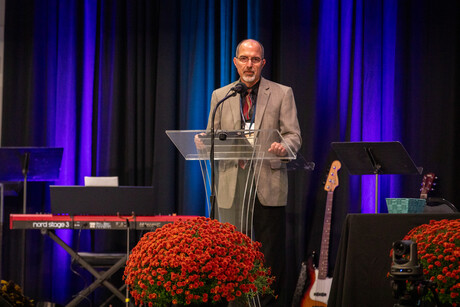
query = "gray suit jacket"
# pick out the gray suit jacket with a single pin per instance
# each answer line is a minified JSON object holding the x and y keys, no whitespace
{"x":275,"y":109}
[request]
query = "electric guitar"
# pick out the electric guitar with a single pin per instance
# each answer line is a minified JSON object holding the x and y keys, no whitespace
{"x":317,"y":293}
{"x":427,"y":184}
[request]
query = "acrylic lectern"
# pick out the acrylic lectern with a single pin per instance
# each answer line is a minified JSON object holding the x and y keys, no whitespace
{"x":238,"y":158}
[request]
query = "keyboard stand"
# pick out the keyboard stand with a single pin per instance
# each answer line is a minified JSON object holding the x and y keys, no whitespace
{"x":48,"y":223}
{"x":100,"y":278}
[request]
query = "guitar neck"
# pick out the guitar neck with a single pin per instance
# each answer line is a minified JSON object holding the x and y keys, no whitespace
{"x":324,"y":256}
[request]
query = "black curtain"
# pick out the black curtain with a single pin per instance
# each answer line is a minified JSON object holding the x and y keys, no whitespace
{"x":144,"y":82}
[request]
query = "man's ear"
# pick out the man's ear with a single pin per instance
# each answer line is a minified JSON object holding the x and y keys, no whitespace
{"x":234,"y":62}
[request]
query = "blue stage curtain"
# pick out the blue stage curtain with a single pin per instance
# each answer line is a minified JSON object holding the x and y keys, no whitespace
{"x":105,"y":79}
{"x":356,"y":84}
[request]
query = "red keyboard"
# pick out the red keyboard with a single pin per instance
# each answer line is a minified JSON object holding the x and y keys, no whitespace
{"x":102,"y":222}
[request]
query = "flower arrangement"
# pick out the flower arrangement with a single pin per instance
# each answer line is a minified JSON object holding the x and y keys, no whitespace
{"x":196,"y":261}
{"x":438,"y":246}
{"x":12,"y":295}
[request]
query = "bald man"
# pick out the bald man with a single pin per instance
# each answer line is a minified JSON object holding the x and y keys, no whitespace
{"x":271,"y":106}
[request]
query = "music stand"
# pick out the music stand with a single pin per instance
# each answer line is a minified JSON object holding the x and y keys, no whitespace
{"x":27,"y":164}
{"x":375,"y":158}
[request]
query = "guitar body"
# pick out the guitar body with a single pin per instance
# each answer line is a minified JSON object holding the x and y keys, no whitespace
{"x":317,"y":293}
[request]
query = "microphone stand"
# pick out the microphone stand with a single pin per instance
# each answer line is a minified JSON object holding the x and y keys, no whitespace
{"x":212,"y":198}
{"x":238,"y":88}
{"x":25,"y":171}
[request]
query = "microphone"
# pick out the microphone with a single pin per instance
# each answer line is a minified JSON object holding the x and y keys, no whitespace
{"x":240,"y":88}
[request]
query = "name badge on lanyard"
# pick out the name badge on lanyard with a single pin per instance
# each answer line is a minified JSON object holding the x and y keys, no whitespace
{"x":249,"y":132}
{"x":248,"y":126}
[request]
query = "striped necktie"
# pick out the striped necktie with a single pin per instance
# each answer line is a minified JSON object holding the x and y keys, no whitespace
{"x":247,"y":106}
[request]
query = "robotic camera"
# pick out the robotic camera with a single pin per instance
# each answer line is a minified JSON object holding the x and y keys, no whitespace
{"x":407,"y":283}
{"x":405,"y":262}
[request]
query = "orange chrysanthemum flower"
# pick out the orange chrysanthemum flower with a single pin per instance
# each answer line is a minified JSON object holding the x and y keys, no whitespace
{"x":438,"y":246}
{"x":195,"y":261}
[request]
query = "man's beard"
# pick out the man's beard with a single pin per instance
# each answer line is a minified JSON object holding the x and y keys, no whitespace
{"x":249,"y":78}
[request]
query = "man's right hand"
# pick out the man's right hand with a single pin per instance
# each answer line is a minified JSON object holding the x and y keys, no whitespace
{"x":198,"y":142}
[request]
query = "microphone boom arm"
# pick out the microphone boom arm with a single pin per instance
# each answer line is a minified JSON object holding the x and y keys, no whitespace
{"x":212,"y":197}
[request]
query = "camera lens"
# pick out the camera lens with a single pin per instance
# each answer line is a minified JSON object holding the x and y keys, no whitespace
{"x":400,"y":248}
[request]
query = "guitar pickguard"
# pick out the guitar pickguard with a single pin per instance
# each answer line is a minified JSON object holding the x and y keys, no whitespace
{"x":318,"y":293}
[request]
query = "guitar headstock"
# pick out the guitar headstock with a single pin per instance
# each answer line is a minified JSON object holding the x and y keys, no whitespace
{"x":332,"y":180}
{"x":427,"y":184}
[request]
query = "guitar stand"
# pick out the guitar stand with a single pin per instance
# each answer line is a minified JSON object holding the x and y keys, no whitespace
{"x":84,"y":260}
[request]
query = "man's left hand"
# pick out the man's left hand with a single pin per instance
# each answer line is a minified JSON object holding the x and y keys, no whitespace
{"x":277,"y":149}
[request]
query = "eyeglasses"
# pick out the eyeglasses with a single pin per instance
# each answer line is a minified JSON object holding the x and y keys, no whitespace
{"x":245,"y":59}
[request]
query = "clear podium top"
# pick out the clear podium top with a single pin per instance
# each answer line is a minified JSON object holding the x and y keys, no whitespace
{"x":229,"y":145}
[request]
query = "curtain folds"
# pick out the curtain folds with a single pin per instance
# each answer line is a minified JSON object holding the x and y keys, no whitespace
{"x":105,"y":79}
